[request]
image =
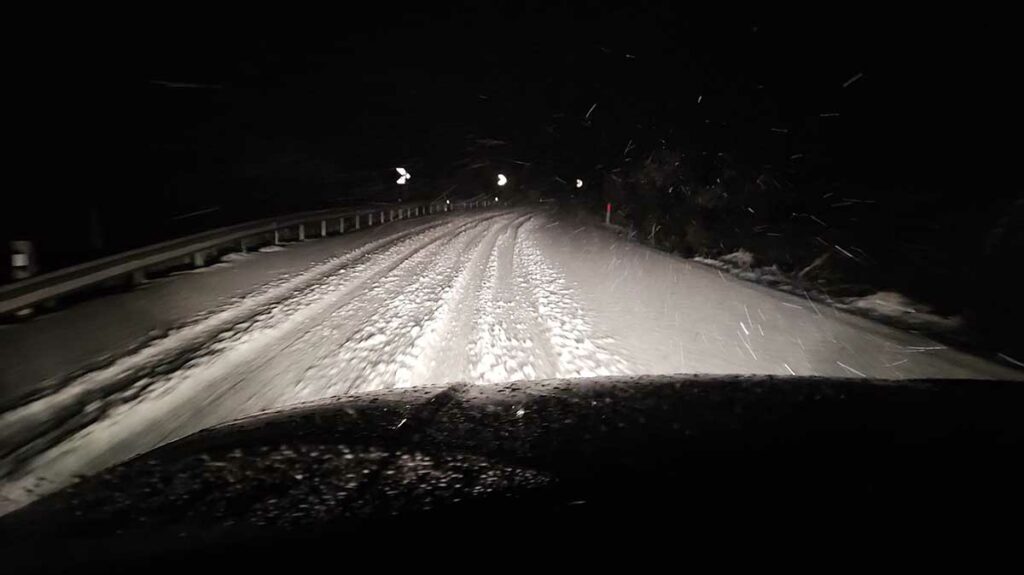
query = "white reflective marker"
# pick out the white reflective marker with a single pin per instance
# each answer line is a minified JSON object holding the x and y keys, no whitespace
{"x":579,"y":183}
{"x":404,"y":176}
{"x":502,"y":179}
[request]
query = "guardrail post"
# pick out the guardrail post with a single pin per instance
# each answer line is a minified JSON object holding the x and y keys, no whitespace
{"x":302,"y":232}
{"x":341,"y":225}
{"x":323,"y":228}
{"x":391,"y":216}
{"x":198,"y":259}
{"x":357,"y":221}
{"x":243,"y":245}
{"x":23,"y":264}
{"x":277,"y":237}
{"x":381,"y":217}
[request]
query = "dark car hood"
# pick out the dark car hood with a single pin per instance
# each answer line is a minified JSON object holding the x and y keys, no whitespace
{"x":564,"y":455}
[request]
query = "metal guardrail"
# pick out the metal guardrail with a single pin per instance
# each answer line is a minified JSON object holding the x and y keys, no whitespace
{"x":24,"y":294}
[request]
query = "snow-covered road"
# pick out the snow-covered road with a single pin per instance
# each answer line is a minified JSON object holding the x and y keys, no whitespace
{"x":479,"y":297}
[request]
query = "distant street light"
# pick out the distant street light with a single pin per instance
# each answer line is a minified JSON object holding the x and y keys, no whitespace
{"x":495,"y":198}
{"x":579,"y":183}
{"x":502,"y":180}
{"x":403,"y":176}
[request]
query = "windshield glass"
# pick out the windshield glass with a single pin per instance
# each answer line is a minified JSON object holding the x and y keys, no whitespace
{"x":280,"y":212}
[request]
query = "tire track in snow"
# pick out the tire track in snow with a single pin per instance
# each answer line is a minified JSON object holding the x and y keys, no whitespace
{"x":527,"y":322}
{"x":90,"y":394}
{"x":502,"y":349}
{"x":387,"y":344}
{"x":166,"y":409}
{"x":577,"y":351}
{"x":435,"y":347}
{"x":450,"y":359}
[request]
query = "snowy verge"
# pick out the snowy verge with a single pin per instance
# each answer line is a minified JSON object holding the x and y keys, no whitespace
{"x":887,"y":307}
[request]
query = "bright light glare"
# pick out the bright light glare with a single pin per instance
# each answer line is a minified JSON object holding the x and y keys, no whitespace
{"x":502,"y":180}
{"x":579,"y":183}
{"x":495,"y":198}
{"x":447,"y":201}
{"x":404,"y":176}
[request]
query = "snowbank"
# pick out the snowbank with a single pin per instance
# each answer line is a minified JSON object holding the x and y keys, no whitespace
{"x":740,"y":259}
{"x":898,"y":309}
{"x":885,"y":306}
{"x":235,"y":256}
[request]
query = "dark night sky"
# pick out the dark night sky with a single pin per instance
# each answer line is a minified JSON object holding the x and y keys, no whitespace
{"x":296,"y":110}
